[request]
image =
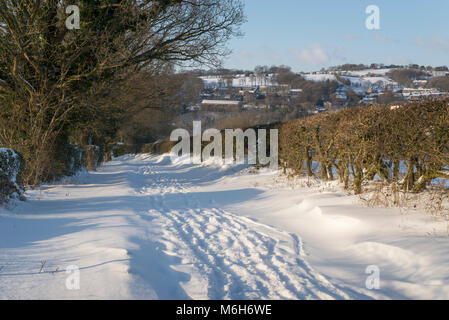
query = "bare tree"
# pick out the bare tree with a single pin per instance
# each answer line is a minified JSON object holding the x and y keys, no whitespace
{"x":51,"y":78}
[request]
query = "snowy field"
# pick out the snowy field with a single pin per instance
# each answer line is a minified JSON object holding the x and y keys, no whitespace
{"x":144,"y":228}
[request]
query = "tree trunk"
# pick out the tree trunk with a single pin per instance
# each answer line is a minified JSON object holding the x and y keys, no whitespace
{"x":330,"y":174}
{"x":309,"y":163}
{"x":323,"y":172}
{"x":409,"y":180}
{"x":358,"y":179}
{"x":346,"y":176}
{"x":396,"y":165}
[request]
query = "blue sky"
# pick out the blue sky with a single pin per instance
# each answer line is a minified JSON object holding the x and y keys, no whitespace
{"x":310,"y":34}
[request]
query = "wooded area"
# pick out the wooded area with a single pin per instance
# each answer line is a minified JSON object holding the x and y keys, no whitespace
{"x":64,"y":90}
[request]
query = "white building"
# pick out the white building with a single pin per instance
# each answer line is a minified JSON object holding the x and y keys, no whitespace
{"x":420,"y":93}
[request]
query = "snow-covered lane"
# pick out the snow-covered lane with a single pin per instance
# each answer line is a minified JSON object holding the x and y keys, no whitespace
{"x":142,"y":227}
{"x":226,"y":256}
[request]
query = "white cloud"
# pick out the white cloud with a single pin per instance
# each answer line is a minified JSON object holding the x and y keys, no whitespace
{"x":351,"y":37}
{"x":435,"y":42}
{"x":245,"y":53}
{"x":380,"y":38}
{"x":314,"y":55}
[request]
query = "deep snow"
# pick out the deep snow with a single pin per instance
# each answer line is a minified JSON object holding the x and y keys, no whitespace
{"x":142,"y":227}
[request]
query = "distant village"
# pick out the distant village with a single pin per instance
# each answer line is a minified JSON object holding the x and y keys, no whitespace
{"x":337,"y":87}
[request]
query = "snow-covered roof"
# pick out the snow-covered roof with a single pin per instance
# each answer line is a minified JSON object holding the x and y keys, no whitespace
{"x":220,"y":102}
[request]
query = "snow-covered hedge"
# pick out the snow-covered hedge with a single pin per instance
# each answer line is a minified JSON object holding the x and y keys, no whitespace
{"x":92,"y":157}
{"x":75,"y":156}
{"x":10,"y":169}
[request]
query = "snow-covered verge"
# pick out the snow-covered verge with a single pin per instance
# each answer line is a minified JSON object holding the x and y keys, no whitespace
{"x":141,"y":227}
{"x":10,"y":166}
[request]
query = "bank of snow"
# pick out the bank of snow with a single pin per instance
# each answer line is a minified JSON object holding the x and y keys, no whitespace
{"x":142,"y":227}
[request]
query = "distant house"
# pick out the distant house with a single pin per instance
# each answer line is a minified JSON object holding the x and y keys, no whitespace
{"x":220,"y":105}
{"x":414,"y":94}
{"x":252,"y":90}
{"x":369,"y":100}
{"x":319,"y":109}
{"x":419,"y":83}
{"x":254,"y":106}
{"x":294,"y":92}
{"x":220,"y":102}
{"x":442,"y":73}
{"x":341,"y":93}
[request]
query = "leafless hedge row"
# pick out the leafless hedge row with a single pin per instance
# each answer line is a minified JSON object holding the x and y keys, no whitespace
{"x":406,"y":144}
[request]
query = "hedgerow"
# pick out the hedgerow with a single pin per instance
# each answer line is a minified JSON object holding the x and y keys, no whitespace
{"x":407,"y":144}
